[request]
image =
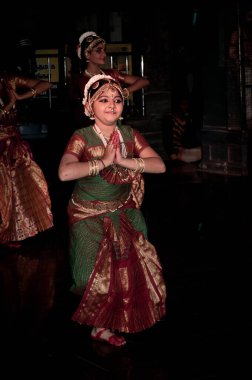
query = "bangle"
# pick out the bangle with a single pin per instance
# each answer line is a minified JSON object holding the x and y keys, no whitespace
{"x":34,"y":92}
{"x":4,"y":112}
{"x":104,"y":166}
{"x":140,"y":166}
{"x":93,"y":168}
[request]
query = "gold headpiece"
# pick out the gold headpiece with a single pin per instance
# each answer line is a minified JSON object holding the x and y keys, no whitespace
{"x":95,"y":86}
{"x":87,"y":42}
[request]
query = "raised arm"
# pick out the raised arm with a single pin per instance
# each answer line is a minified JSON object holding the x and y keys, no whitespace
{"x":34,"y":87}
{"x":135,"y":83}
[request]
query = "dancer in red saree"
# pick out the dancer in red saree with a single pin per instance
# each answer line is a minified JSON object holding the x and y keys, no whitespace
{"x":115,"y":268}
{"x":25,"y":205}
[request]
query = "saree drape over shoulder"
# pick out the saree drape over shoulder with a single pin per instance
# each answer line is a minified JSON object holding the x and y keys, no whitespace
{"x":25,"y":206}
{"x":114,"y":267}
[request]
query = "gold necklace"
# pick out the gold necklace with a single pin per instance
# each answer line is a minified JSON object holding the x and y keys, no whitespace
{"x":91,"y":75}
